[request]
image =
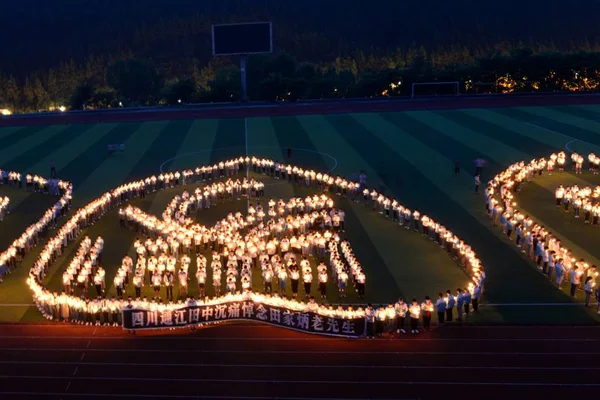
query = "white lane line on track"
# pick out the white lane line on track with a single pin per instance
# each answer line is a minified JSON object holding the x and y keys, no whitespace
{"x":312,"y":382}
{"x":300,"y":352}
{"x":400,"y":339}
{"x":295,"y":366}
{"x":174,"y":396}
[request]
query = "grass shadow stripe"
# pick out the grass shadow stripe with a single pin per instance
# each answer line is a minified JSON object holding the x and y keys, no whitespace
{"x":579,"y":112}
{"x":528,"y":145}
{"x":443,"y":144}
{"x":230,"y":140}
{"x":553,"y":125}
{"x":81,"y":167}
{"x":18,"y":135}
{"x":53,"y":143}
{"x":164,"y":146}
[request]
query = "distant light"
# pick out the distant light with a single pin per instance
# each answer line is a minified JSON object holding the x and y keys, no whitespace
{"x":179,"y":101}
{"x":6,"y":111}
{"x":120,"y":104}
{"x":62,"y":108}
{"x":289,"y":93}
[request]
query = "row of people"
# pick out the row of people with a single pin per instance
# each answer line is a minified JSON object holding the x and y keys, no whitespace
{"x":545,"y":249}
{"x":391,"y":319}
{"x":83,"y":269}
{"x":273,"y":266}
{"x":10,"y":257}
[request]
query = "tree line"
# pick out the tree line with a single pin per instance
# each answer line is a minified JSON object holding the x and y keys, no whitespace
{"x":130,"y":81}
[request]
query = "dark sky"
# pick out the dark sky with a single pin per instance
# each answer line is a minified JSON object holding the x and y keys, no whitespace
{"x":57,"y":30}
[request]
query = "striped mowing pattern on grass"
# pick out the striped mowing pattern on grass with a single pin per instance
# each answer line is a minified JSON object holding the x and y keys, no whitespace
{"x":409,"y":154}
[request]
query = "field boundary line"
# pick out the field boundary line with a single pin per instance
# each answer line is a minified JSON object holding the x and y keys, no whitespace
{"x":295,"y":381}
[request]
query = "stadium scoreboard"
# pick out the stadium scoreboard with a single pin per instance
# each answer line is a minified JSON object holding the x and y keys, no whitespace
{"x":242,"y":38}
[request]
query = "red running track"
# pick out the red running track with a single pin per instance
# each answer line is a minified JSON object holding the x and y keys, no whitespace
{"x":251,"y":361}
{"x":299,"y":108}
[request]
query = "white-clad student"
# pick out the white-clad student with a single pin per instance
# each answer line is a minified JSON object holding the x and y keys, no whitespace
{"x":401,"y":309}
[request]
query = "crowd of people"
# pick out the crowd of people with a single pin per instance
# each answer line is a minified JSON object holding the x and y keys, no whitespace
{"x":180,"y":238}
{"x":277,"y":242}
{"x":391,"y":319}
{"x":546,"y":250}
{"x":581,"y":201}
{"x":10,"y":257}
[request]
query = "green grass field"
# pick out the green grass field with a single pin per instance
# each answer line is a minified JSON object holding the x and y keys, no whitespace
{"x":409,"y":154}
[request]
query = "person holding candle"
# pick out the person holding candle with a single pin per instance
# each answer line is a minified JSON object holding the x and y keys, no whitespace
{"x":427,"y":307}
{"x":588,"y":286}
{"x":575,"y":278}
{"x":307,"y":279}
{"x":415,"y":313}
{"x":560,"y":272}
{"x":390,"y":314}
{"x":323,"y":284}
{"x":401,"y":309}
{"x":370,"y":318}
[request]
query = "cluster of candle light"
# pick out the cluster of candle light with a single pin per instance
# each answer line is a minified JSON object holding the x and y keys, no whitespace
{"x":178,"y":233}
{"x":25,"y":242}
{"x":585,"y":199}
{"x":125,"y":192}
{"x":3,"y":206}
{"x":81,"y":266}
{"x":509,"y":181}
{"x":355,"y":268}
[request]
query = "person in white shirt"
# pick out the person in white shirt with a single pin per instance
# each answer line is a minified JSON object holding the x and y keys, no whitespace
{"x":370,"y":318}
{"x":415,"y":313}
{"x":477,"y":183}
{"x":466,"y":302}
{"x":459,"y":304}
{"x":588,"y":287}
{"x":427,"y":308}
{"x":560,"y":272}
{"x":307,"y":279}
{"x":575,"y":278}
{"x":401,"y":309}
{"x":342,"y":216}
{"x":323,"y":284}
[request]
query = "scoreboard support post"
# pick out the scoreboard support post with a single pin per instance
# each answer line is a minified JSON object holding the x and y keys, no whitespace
{"x":242,"y":39}
{"x":243,"y":59}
